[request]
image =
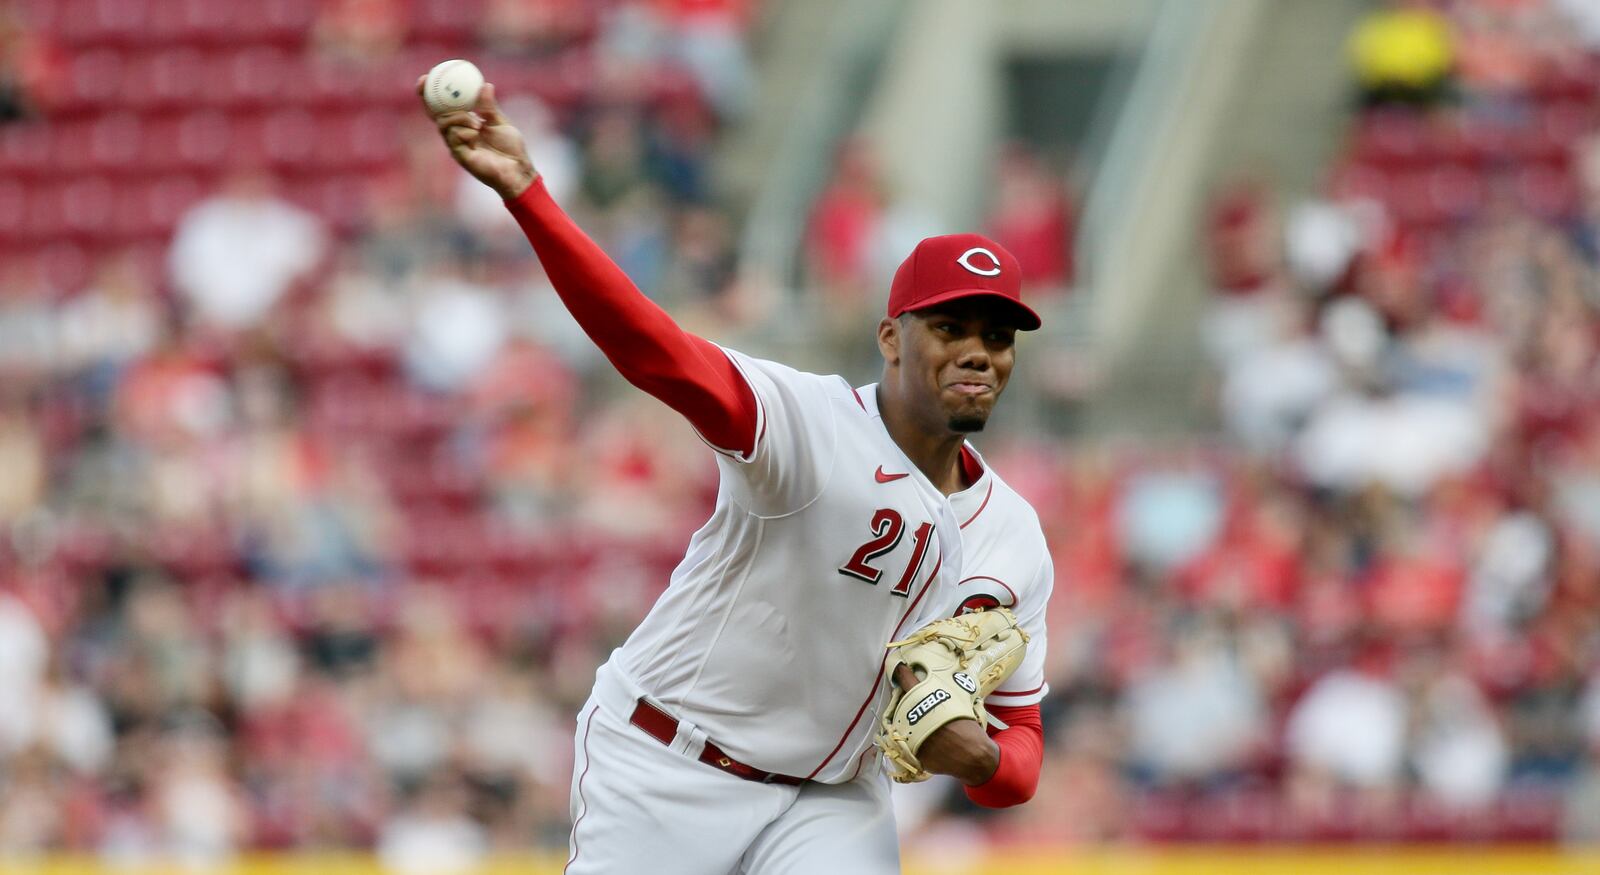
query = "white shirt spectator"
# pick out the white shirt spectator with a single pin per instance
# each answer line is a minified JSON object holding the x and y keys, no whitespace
{"x":1320,"y":239}
{"x":1589,"y":711}
{"x":112,"y":322}
{"x":233,"y":256}
{"x":1460,"y":754}
{"x":1266,"y":394}
{"x":431,"y":842}
{"x":511,"y":732}
{"x":1238,"y":327}
{"x":201,"y":818}
{"x":407,"y":738}
{"x":1510,"y":580}
{"x":77,"y":727}
{"x":1195,"y":717}
{"x":1584,"y":16}
{"x":24,"y":655}
{"x":1403,"y":442}
{"x":1352,"y":726}
{"x":458,"y":329}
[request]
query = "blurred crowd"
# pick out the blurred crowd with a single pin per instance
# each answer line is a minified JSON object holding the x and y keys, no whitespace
{"x":319,"y":513}
{"x":1371,"y":608}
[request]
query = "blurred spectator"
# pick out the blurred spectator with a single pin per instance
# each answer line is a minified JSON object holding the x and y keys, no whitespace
{"x":27,"y":342}
{"x":1242,"y":236}
{"x":702,"y":271}
{"x":844,"y":223}
{"x":1460,"y":754}
{"x":1322,"y":240}
{"x":1199,"y":715}
{"x":613,"y":161}
{"x":360,"y":31}
{"x":23,"y":454}
{"x":1272,"y":383}
{"x":30,"y":64}
{"x":1423,"y":440}
{"x":1166,"y":518}
{"x":1497,"y":52}
{"x":1584,"y":16}
{"x":433,"y":834}
{"x":1032,"y":216}
{"x":710,"y":37}
{"x":457,"y":330}
{"x":235,"y":255}
{"x":112,"y":322}
{"x":25,"y":652}
{"x":1403,"y":53}
{"x":277,"y":561}
{"x":1349,"y":729}
{"x":1510,"y":581}
{"x":532,"y":27}
{"x":198,"y":813}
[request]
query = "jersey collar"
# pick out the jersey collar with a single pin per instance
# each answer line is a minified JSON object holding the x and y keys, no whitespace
{"x":867,"y":396}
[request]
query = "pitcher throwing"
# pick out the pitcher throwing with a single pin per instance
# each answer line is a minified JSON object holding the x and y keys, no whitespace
{"x":734,"y":731}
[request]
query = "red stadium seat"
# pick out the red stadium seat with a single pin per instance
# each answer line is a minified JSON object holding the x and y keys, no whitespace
{"x":1547,"y":192}
{"x":46,"y":218}
{"x":169,"y":197}
{"x":87,"y":207}
{"x":199,"y":22}
{"x":130,"y":214}
{"x":262,"y":76}
{"x":446,"y":19}
{"x":283,"y":22}
{"x":1565,"y":122}
{"x":116,"y":143}
{"x":13,"y":208}
{"x":1359,"y":181}
{"x":175,"y":78}
{"x":25,"y":151}
{"x":64,"y":265}
{"x":94,"y":80}
{"x":1389,"y":139}
{"x":204,"y":140}
{"x":71,"y":152}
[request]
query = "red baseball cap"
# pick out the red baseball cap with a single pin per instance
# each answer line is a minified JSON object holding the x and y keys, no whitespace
{"x":956,"y":266}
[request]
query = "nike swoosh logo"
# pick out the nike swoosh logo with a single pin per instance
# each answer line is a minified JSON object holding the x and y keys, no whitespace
{"x":888,"y":478}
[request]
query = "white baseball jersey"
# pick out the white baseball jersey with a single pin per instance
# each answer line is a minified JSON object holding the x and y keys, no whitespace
{"x":826,"y":543}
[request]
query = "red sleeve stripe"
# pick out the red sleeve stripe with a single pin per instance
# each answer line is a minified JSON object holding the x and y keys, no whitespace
{"x":761,"y":418}
{"x":985,"y":504}
{"x":1023,"y":693}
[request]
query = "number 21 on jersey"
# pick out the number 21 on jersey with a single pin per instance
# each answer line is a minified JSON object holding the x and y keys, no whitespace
{"x":887,"y":528}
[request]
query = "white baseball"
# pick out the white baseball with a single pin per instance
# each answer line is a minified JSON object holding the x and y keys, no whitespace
{"x":452,"y":86}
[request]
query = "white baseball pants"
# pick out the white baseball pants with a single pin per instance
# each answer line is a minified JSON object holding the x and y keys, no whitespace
{"x":641,"y":806}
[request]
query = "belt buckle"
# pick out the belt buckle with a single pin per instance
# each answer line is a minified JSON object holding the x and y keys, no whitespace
{"x":724,"y":762}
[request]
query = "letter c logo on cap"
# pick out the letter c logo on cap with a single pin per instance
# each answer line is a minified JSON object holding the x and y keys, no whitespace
{"x":980,"y":271}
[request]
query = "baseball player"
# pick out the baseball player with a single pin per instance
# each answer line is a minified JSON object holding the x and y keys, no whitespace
{"x":733,"y":731}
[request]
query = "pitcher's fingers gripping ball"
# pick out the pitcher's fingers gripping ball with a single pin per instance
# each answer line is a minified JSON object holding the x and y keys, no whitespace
{"x":957,"y":661}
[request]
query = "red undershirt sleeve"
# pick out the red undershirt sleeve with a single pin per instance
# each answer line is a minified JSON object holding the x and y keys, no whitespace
{"x":689,"y":374}
{"x":1021,"y":755}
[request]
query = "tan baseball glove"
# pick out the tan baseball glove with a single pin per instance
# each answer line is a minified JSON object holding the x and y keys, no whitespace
{"x":957,"y":661}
